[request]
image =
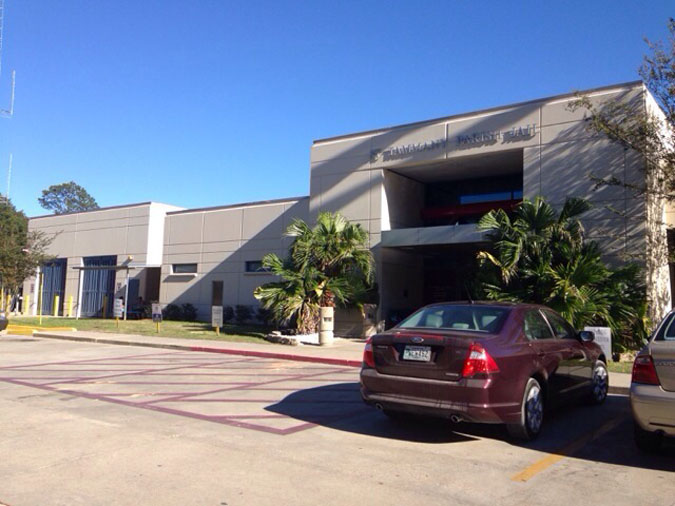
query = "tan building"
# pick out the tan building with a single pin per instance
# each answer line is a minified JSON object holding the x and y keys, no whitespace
{"x":418,"y":189}
{"x":95,"y":251}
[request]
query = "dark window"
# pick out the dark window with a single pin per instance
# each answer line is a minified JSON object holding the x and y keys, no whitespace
{"x":561,"y":328}
{"x":458,"y":317}
{"x":216,"y":293}
{"x":667,"y":330}
{"x":184,"y":268}
{"x":255,"y":266}
{"x":535,"y":327}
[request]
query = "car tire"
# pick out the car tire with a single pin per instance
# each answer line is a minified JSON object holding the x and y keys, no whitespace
{"x":531,"y":413}
{"x":599,"y":384}
{"x":646,"y":441}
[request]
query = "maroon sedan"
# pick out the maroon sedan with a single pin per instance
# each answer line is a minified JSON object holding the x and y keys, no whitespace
{"x":482,"y":362}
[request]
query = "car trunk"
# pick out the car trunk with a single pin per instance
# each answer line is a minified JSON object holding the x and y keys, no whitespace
{"x":422,"y":354}
{"x":663,"y":355}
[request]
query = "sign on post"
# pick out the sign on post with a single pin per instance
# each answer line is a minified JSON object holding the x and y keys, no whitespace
{"x":118,"y":308}
{"x":603,"y":336}
{"x":217,"y":318}
{"x":157,"y":314}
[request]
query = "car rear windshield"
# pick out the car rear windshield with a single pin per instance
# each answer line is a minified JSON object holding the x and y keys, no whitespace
{"x":667,"y":330}
{"x":458,"y":317}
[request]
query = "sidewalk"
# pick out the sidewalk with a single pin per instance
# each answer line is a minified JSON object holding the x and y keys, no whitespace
{"x":346,"y":352}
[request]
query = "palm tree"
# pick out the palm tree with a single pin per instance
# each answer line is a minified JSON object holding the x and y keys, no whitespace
{"x":540,"y":256}
{"x":327,"y":263}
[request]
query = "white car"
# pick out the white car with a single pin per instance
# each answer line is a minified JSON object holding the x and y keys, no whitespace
{"x":652,"y":389}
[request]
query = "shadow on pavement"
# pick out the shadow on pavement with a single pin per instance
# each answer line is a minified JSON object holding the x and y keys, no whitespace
{"x":339,"y":406}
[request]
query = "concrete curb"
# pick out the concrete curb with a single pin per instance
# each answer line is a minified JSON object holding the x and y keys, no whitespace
{"x":619,"y":390}
{"x":207,"y":349}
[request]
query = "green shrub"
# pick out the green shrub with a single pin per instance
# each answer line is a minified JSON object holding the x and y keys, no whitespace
{"x":172,"y":312}
{"x":265,"y":316}
{"x":228,"y":313}
{"x":189,"y":312}
{"x":242,"y":313}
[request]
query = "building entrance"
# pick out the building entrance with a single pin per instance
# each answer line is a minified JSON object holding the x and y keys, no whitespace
{"x":98,"y":286}
{"x":414,"y":276}
{"x":53,"y":285}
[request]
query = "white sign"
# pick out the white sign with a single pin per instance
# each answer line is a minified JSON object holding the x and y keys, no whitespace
{"x":217,"y":316}
{"x":118,"y":309}
{"x":156,"y":312}
{"x":603,"y":336}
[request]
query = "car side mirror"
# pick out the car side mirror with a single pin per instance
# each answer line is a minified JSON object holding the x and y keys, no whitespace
{"x":586,"y":336}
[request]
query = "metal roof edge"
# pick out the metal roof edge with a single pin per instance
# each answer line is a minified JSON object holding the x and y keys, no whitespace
{"x":234,"y":206}
{"x":628,"y":84}
{"x":121,"y":206}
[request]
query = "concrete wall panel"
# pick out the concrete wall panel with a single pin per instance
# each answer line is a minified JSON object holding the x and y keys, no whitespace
{"x":185,"y":228}
{"x":223,"y":225}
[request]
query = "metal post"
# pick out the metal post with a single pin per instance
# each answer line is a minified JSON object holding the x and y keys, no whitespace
{"x":126,"y":295}
{"x":80,"y":283}
{"x":40,"y":294}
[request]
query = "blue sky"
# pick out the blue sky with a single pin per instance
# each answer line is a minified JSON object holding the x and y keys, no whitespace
{"x":205,"y":102}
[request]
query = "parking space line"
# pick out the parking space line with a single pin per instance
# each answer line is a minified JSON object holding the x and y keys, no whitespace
{"x":570,"y":449}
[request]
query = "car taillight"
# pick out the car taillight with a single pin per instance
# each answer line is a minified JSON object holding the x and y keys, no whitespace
{"x":368,"y":357}
{"x":478,"y":361}
{"x":644,"y":371}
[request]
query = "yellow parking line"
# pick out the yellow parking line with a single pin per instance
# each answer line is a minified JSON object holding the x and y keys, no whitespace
{"x":570,"y":449}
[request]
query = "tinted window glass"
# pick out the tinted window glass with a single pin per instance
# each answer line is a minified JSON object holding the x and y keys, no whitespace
{"x":184,"y":268}
{"x":458,"y":317}
{"x":561,"y":328}
{"x":255,"y":266}
{"x":535,"y":327}
{"x":667,"y":330}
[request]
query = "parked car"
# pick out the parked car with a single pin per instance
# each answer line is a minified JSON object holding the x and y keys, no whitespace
{"x":482,"y":362}
{"x":652,"y":388}
{"x":3,"y":321}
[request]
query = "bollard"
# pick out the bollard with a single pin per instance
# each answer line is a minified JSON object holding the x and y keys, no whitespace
{"x":56,"y":305}
{"x":105,"y":305}
{"x":326,"y":326}
{"x":26,"y":305}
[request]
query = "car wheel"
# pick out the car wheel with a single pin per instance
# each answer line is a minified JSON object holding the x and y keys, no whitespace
{"x":531,"y":413}
{"x":599,"y":384}
{"x":645,"y":440}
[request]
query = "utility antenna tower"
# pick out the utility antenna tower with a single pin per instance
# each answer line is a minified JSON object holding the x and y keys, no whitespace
{"x":6,"y":113}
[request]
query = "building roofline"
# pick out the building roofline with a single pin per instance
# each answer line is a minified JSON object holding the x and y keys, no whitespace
{"x":107,"y":208}
{"x":234,"y":206}
{"x":628,"y":84}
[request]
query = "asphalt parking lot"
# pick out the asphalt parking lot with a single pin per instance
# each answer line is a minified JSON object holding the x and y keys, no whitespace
{"x":99,"y":424}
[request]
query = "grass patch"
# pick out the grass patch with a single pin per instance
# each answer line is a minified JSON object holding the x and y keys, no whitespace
{"x":624,"y":367}
{"x":188,"y":330}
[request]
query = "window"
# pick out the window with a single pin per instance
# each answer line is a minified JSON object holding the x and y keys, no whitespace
{"x":216,"y":293}
{"x":184,"y":269}
{"x":458,"y":317}
{"x":255,"y":266}
{"x":535,"y":327}
{"x":561,"y":328}
{"x":667,"y":330}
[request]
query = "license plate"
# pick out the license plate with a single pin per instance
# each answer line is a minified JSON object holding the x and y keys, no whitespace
{"x":418,"y":353}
